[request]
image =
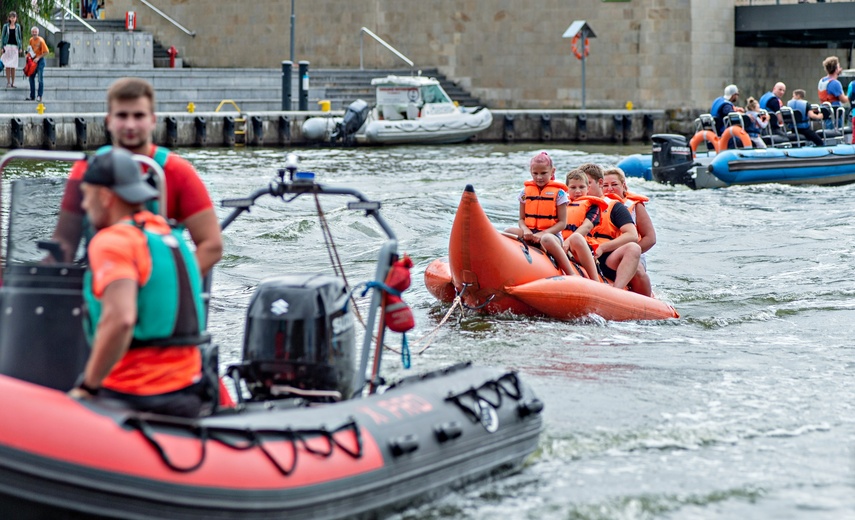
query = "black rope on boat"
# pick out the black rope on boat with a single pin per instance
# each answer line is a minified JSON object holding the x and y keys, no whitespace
{"x":145,"y":429}
{"x":508,"y":384}
{"x":477,"y":308}
{"x":248,"y":438}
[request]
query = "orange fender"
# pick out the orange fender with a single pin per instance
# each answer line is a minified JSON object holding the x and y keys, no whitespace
{"x":733,"y":132}
{"x":438,"y":280}
{"x":701,"y":137}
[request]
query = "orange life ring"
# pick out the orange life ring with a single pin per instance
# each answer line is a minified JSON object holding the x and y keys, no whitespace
{"x":703,"y":136}
{"x":733,"y":132}
{"x":575,"y":44}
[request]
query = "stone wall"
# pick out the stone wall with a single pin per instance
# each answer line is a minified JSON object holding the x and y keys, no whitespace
{"x":658,"y":54}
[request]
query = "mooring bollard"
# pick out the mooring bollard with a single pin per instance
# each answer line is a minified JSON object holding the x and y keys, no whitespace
{"x":171,"y":131}
{"x":49,"y":133}
{"x":80,"y":132}
{"x":17,"y":132}
{"x":508,"y":135}
{"x":545,"y":127}
{"x":287,"y":70}
{"x":284,"y":130}
{"x":257,"y":125}
{"x":201,"y":126}
{"x":304,"y":85}
{"x":582,"y":127}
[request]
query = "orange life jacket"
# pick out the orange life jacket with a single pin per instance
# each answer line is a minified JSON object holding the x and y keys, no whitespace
{"x":630,"y":200}
{"x":540,"y":210}
{"x":577,"y":210}
{"x":605,"y":230}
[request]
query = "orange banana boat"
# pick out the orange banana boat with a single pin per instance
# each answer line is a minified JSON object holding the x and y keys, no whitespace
{"x":495,"y":272}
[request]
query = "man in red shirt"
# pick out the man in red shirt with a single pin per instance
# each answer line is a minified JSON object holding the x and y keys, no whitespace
{"x":143,"y":296}
{"x":131,"y":122}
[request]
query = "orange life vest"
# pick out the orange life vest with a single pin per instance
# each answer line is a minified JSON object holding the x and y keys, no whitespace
{"x":540,"y":210}
{"x":631,"y":200}
{"x":577,"y":210}
{"x":605,"y":230}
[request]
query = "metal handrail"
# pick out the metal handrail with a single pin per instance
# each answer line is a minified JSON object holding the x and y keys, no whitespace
{"x":65,"y":8}
{"x":168,"y":19}
{"x":379,"y":40}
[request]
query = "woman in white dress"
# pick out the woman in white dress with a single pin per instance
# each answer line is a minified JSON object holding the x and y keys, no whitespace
{"x":11,"y":44}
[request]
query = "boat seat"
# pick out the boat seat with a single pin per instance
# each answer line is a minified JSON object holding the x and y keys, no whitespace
{"x":705,"y":122}
{"x":829,"y":113}
{"x":791,"y":120}
{"x":412,"y":111}
{"x":392,"y":113}
{"x":770,"y":138}
{"x":735,"y":119}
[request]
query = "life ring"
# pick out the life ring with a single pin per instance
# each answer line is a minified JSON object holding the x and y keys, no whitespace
{"x":575,"y":44}
{"x":703,"y":136}
{"x":730,"y":133}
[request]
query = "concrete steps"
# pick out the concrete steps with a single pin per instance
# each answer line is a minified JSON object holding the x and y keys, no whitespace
{"x":75,"y":90}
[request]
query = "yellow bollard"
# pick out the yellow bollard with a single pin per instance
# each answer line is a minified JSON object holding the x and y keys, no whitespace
{"x":326,"y":105}
{"x":40,"y":108}
{"x":629,"y":105}
{"x":191,"y":107}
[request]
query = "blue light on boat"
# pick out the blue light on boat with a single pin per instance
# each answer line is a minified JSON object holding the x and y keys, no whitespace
{"x":304,"y":177}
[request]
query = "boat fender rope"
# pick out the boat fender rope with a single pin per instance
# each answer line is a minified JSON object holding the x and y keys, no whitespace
{"x":432,"y":334}
{"x":145,"y":429}
{"x":498,"y":386}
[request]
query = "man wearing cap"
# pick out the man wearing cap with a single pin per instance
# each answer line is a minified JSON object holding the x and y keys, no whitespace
{"x":725,"y":105}
{"x":131,"y":121}
{"x":143,"y":291}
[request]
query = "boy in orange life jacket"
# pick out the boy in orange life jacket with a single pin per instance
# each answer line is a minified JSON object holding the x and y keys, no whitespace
{"x":543,"y":210}
{"x":615,"y":238}
{"x":583,"y":213}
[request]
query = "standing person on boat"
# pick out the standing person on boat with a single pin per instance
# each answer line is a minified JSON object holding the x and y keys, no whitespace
{"x":772,"y":102}
{"x":143,"y":293}
{"x":39,"y":52}
{"x":800,"y":105}
{"x":583,"y":213}
{"x":13,"y":37}
{"x":756,"y":123}
{"x":725,"y":105}
{"x":131,"y":122}
{"x":830,"y":90}
{"x":615,"y":239}
{"x":543,"y":210}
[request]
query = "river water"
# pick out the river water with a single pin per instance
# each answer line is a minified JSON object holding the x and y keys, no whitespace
{"x":742,"y":408}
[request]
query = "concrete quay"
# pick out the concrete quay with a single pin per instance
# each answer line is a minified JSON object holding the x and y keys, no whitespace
{"x":87,"y":131}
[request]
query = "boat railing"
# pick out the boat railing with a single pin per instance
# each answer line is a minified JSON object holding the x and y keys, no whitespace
{"x":381,"y":41}
{"x":169,"y":19}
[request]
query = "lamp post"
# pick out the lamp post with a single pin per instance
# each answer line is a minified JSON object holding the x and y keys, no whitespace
{"x":293,"y":19}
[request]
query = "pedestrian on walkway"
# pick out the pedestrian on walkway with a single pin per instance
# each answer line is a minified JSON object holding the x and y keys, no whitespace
{"x":13,"y":38}
{"x":39,"y":50}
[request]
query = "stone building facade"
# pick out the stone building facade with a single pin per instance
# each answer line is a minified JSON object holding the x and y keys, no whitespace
{"x":671,"y":54}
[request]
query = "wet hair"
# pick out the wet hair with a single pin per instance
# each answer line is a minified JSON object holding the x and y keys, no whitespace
{"x":830,"y":63}
{"x":618,"y":172}
{"x":594,"y":170}
{"x":799,"y":93}
{"x":541,"y":158}
{"x":130,"y":89}
{"x":750,"y":103}
{"x":577,"y":175}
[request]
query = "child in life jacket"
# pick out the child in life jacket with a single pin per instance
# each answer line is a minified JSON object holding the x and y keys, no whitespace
{"x":543,"y":210}
{"x":583,"y":213}
{"x":756,"y":122}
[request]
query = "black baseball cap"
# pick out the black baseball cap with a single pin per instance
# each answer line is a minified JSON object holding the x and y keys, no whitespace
{"x":117,"y":170}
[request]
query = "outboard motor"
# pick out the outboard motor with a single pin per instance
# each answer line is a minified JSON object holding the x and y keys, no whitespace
{"x":672,"y":159}
{"x":354,"y":118}
{"x":300,"y":340}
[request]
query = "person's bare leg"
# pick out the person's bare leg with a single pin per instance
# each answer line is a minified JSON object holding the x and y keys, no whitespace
{"x":624,"y":261}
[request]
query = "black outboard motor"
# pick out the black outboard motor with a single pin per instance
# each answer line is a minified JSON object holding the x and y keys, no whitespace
{"x":354,"y":118}
{"x":672,"y":159}
{"x":300,"y":340}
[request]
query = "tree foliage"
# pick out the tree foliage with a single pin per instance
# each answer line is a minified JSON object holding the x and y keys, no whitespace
{"x":28,"y":9}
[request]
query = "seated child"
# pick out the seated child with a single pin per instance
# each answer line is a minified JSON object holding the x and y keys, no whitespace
{"x":756,"y":122}
{"x":583,"y":213}
{"x":543,"y":210}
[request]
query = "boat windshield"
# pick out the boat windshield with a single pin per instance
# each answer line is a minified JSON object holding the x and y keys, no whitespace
{"x":434,"y":94}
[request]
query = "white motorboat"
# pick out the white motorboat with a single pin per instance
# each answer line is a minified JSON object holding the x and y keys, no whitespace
{"x":409,"y":109}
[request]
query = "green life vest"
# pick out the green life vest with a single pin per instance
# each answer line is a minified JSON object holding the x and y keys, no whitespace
{"x":160,"y":156}
{"x":169,"y":305}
